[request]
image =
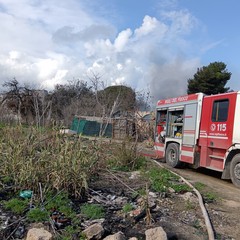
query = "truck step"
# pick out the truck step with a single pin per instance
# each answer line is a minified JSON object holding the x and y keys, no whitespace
{"x":216,"y":157}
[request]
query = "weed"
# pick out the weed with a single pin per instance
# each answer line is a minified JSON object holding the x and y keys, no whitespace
{"x":83,"y":236}
{"x":60,"y":202}
{"x":199,"y":186}
{"x":37,"y":215}
{"x":71,"y":232}
{"x":135,"y":194}
{"x":140,"y":163}
{"x":210,"y":197}
{"x":92,"y":211}
{"x":181,"y":188}
{"x":160,"y":179}
{"x":196,"y":224}
{"x":127,"y":207}
{"x":189,"y":205}
{"x":16,"y":205}
{"x":219,"y":236}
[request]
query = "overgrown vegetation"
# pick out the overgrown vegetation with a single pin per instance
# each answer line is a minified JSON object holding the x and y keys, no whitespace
{"x":28,"y":158}
{"x":26,"y":105}
{"x":125,"y":157}
{"x":57,"y":168}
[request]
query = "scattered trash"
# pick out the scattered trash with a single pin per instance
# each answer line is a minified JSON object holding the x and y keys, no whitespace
{"x":19,"y":233}
{"x":26,"y":194}
{"x":59,"y":219}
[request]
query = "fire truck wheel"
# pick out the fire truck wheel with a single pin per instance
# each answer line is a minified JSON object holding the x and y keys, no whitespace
{"x":235,"y":170}
{"x":172,"y":155}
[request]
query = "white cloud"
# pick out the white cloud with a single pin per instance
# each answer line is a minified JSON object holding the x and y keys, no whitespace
{"x":57,"y":78}
{"x":167,"y":4}
{"x":119,"y":66}
{"x":49,"y":42}
{"x":122,"y":39}
{"x":14,"y":55}
{"x":181,"y":22}
{"x":149,"y":24}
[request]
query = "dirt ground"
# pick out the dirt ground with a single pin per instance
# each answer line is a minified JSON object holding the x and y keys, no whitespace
{"x":224,"y":212}
{"x":180,"y":217}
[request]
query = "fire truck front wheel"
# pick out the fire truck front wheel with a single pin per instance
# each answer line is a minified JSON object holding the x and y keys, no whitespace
{"x":235,"y":170}
{"x":172,"y":155}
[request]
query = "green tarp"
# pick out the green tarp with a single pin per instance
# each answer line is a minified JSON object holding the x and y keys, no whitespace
{"x":89,"y":128}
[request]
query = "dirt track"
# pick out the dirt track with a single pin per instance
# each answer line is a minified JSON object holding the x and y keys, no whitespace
{"x":224,"y":188}
{"x":224,"y":213}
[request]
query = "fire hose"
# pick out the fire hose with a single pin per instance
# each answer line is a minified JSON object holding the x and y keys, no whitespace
{"x":200,"y":200}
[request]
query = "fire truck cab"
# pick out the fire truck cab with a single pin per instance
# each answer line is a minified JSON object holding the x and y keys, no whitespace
{"x":203,"y":131}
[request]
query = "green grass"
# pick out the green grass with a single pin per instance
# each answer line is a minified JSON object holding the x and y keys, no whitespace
{"x":71,"y":232}
{"x":60,"y":202}
{"x":161,"y":179}
{"x":199,"y":186}
{"x":181,"y":188}
{"x":127,"y":207}
{"x":16,"y":205}
{"x":207,"y":195}
{"x":92,"y":211}
{"x":210,"y":197}
{"x":38,"y":215}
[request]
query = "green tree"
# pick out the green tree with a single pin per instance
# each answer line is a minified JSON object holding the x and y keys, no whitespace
{"x":126,"y":97}
{"x":210,"y":79}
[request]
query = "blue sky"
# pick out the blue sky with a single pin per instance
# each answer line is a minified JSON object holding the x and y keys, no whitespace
{"x":150,"y":45}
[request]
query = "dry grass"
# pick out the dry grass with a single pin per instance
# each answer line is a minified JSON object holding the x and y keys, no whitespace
{"x":29,"y":157}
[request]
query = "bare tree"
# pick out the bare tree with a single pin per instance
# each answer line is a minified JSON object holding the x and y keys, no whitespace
{"x":14,"y":97}
{"x":42,"y":107}
{"x":29,"y":104}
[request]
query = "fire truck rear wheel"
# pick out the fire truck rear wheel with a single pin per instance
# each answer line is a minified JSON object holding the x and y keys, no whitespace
{"x":235,"y":170}
{"x":172,"y":155}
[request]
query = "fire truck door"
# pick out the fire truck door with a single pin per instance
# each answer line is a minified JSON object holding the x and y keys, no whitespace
{"x":189,"y":133}
{"x":190,"y":118}
{"x":216,"y":130}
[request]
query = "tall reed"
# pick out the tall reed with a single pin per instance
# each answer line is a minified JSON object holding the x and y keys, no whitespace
{"x":29,"y":157}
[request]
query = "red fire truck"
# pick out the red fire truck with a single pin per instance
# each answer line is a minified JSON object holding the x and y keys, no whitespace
{"x":203,"y":131}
